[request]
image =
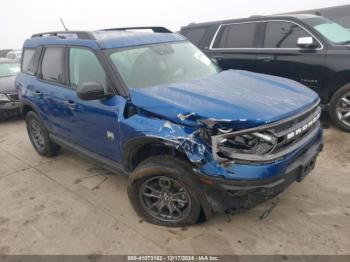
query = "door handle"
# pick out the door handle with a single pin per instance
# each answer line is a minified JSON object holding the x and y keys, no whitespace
{"x":217,"y":57}
{"x":70,"y":104}
{"x":37,"y":93}
{"x":265,"y":58}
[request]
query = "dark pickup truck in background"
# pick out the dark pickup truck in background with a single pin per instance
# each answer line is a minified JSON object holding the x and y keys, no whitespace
{"x":310,"y":49}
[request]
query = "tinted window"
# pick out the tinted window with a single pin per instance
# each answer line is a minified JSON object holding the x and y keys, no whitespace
{"x":52,"y":64}
{"x":27,"y":57}
{"x":283,"y":35}
{"x":236,"y":36}
{"x":195,"y":35}
{"x":85,"y":67}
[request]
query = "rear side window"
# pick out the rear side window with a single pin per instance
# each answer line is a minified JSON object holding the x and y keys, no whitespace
{"x":27,"y":57}
{"x":236,"y":36}
{"x":195,"y":35}
{"x":281,"y":34}
{"x":52,"y":64}
{"x":85,"y":67}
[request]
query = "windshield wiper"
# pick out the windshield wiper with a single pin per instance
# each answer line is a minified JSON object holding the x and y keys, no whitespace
{"x":345,"y":42}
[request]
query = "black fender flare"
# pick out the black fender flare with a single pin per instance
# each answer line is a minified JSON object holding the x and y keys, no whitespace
{"x":26,"y":103}
{"x":134,"y":144}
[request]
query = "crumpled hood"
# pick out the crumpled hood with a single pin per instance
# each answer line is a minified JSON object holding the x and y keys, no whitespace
{"x":235,"y":99}
{"x":7,"y":85}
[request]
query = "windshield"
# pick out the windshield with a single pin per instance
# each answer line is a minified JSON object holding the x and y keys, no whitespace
{"x":162,"y":64}
{"x":330,"y":30}
{"x":10,"y":69}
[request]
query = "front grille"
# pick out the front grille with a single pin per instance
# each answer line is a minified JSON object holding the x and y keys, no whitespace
{"x":13,"y":97}
{"x":282,"y":131}
{"x":288,"y":135}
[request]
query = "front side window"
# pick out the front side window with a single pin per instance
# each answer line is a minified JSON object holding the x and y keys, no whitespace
{"x":332,"y":31}
{"x":52,"y":64}
{"x":9,"y":69}
{"x":236,"y":36}
{"x":162,"y":64}
{"x":281,"y":34}
{"x":85,"y":67}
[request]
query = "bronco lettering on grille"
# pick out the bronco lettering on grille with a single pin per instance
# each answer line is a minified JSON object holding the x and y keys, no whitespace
{"x":303,"y":128}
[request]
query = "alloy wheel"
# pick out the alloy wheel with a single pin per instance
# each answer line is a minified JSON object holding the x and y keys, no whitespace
{"x":165,"y":199}
{"x":36,"y":134}
{"x":343,"y":109}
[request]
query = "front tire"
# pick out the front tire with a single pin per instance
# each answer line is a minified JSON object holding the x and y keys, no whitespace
{"x":340,"y":108}
{"x":162,"y":191}
{"x":39,"y":136}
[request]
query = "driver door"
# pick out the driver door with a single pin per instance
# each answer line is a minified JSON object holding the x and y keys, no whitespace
{"x":96,"y":125}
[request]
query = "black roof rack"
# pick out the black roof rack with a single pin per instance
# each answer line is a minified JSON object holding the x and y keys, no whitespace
{"x":155,"y":29}
{"x":66,"y":34}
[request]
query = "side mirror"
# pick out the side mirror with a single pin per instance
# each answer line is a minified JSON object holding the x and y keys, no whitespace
{"x":306,"y":42}
{"x":90,"y":91}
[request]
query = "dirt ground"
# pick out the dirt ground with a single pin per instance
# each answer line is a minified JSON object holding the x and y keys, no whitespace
{"x":68,"y":205}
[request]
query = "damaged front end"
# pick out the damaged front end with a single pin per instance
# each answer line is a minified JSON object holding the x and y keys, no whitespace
{"x":252,"y":165}
{"x":238,"y":169}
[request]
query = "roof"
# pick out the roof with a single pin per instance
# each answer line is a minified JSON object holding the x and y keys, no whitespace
{"x":102,"y":39}
{"x":252,"y":18}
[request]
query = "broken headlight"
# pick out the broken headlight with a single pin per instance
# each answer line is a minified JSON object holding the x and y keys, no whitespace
{"x":256,"y":143}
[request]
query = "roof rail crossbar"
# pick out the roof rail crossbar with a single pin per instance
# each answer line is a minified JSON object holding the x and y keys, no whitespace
{"x":67,"y":34}
{"x":155,"y":29}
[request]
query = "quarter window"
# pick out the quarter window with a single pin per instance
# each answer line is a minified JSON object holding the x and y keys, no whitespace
{"x":236,"y":36}
{"x":85,"y":67}
{"x":281,"y":34}
{"x":27,"y":57}
{"x":52,"y":64}
{"x":195,"y":35}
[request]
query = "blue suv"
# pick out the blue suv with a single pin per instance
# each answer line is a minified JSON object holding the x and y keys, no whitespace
{"x":193,"y":139}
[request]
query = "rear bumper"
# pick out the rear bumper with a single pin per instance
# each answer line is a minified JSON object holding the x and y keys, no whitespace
{"x":231,"y":194}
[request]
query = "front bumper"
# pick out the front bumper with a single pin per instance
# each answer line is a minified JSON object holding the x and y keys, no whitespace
{"x":237,"y":194}
{"x":9,"y":109}
{"x":10,"y":105}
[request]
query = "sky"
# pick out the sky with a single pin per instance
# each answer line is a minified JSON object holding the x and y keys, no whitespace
{"x":19,"y":19}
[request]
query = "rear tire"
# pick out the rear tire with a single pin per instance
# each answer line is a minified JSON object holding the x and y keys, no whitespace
{"x":339,"y":110}
{"x":39,"y":136}
{"x":163,"y":192}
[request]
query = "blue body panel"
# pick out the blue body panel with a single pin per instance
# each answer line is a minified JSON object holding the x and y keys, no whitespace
{"x":235,"y":99}
{"x":238,"y":99}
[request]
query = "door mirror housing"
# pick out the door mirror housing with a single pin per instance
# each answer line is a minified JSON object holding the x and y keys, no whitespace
{"x":90,"y":91}
{"x":306,"y":42}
